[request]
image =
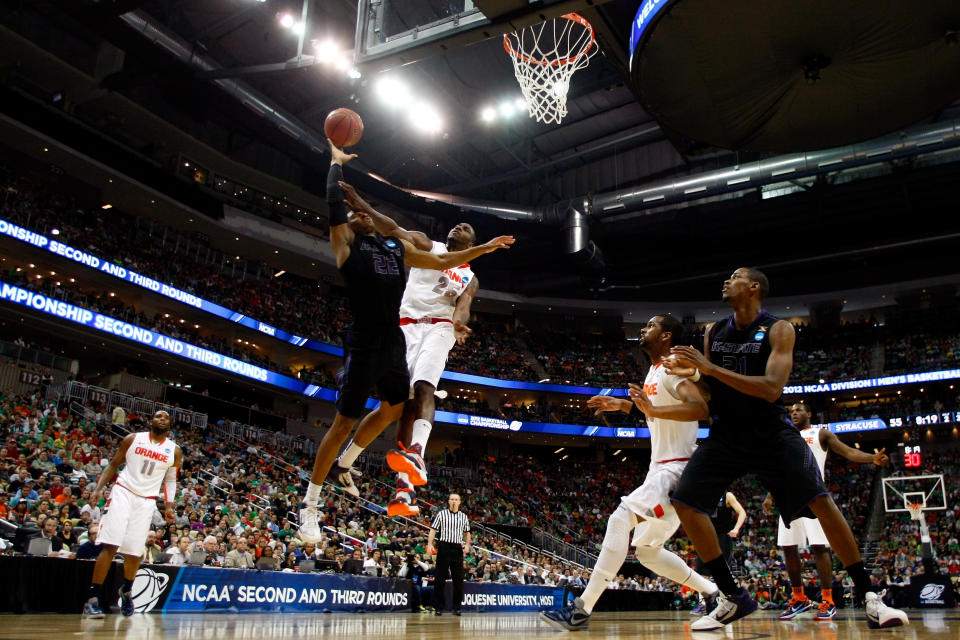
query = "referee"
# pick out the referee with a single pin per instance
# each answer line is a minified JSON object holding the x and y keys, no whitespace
{"x":454,"y":542}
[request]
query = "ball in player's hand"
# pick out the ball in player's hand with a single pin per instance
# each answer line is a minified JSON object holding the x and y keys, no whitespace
{"x":344,"y":127}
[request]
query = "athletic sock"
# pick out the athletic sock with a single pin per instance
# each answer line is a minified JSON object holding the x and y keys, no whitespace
{"x":721,"y":573}
{"x":861,"y":581}
{"x":798,"y":593}
{"x":670,"y":566}
{"x":127,"y":585}
{"x":95,"y":591}
{"x":349,"y":455}
{"x":421,"y":433}
{"x":312,"y":497}
{"x":827,"y":595}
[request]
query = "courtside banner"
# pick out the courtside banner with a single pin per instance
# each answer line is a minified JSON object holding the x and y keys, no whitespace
{"x":203,"y":589}
{"x":485,"y":596}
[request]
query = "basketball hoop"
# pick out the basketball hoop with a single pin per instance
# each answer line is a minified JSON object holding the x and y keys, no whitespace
{"x":916,"y":510}
{"x":545,"y":56}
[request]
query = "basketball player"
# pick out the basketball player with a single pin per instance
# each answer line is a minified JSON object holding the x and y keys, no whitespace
{"x":673,"y":405}
{"x":151,"y":464}
{"x":748,"y":360}
{"x":433,"y":316}
{"x":374,"y":348}
{"x":808,"y":531}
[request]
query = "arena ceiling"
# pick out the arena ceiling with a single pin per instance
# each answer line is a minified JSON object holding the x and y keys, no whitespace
{"x":831,"y":233}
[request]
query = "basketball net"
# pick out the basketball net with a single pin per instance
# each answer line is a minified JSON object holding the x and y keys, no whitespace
{"x":545,"y":56}
{"x":916,"y":513}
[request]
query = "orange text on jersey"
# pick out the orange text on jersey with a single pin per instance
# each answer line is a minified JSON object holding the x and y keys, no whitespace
{"x":149,"y":453}
{"x":650,"y":389}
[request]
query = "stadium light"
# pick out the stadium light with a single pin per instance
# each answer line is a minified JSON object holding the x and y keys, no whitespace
{"x":559,"y":450}
{"x":393,"y":92}
{"x":286,"y":20}
{"x":488,"y":114}
{"x":54,"y":231}
{"x":507,"y":109}
{"x":107,"y":206}
{"x":425,"y":118}
{"x":297,"y":28}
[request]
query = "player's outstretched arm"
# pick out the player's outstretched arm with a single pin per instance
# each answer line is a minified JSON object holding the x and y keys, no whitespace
{"x":603,"y":404}
{"x":385,"y":225}
{"x":341,"y":235}
{"x":416,"y":258}
{"x":111,"y":470}
{"x":769,"y":386}
{"x":734,"y":504}
{"x":829,"y":440}
{"x":461,"y":312}
{"x":691,"y":407}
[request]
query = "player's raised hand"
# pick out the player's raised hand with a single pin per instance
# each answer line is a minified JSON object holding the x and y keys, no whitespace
{"x":350,"y":197}
{"x":500,"y":242}
{"x":880,"y":458}
{"x":688,"y":358}
{"x":768,"y":505}
{"x":603,"y":404}
{"x":640,"y":399}
{"x":461,"y":331}
{"x":338,"y":155}
{"x":671,"y":364}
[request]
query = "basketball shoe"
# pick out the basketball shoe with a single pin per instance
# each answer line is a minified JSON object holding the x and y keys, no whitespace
{"x":404,"y":501}
{"x":728,"y":609}
{"x":570,"y":618}
{"x":705,"y":605}
{"x":880,"y":616}
{"x":408,"y":461}
{"x":827,"y":611}
{"x":795,"y":607}
{"x":126,"y":602}
{"x":343,"y":476}
{"x":310,"y":524}
{"x":92,"y":610}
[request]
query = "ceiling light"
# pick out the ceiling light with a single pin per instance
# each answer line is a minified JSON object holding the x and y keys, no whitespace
{"x":488,"y":114}
{"x":521,"y":104}
{"x":107,"y":206}
{"x":393,"y":92}
{"x":617,"y":452}
{"x":286,"y":21}
{"x":507,"y":109}
{"x":297,"y":28}
{"x":559,"y":450}
{"x":353,"y":73}
{"x":326,"y":50}
{"x":54,"y":232}
{"x":279,"y":273}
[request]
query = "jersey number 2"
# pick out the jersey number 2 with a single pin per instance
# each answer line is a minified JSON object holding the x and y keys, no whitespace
{"x":441,"y":288}
{"x":148,"y":467}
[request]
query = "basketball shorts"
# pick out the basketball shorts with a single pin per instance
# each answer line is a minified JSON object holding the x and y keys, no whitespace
{"x":127,"y":521}
{"x":802,"y":532}
{"x":427,"y":348}
{"x":781,"y":460}
{"x":372,"y":360}
{"x":651,"y":501}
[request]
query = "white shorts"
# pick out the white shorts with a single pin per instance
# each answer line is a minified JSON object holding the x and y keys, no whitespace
{"x":127,"y":521}
{"x":802,"y":532}
{"x":427,"y":348}
{"x":651,"y":501}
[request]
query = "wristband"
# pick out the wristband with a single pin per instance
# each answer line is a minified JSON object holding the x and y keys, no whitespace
{"x":696,"y":376}
{"x":338,"y":212}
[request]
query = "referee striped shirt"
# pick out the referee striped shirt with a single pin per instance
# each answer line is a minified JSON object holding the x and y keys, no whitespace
{"x":451,"y":526}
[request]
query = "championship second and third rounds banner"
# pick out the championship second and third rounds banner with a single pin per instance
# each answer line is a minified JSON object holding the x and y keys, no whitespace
{"x":165,"y":589}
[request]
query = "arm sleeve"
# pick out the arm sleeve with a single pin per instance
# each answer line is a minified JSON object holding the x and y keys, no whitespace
{"x":338,"y":211}
{"x":170,"y":485}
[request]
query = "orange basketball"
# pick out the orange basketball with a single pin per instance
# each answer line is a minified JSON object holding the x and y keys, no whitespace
{"x":344,"y":127}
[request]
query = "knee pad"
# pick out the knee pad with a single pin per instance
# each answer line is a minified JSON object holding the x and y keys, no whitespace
{"x":619,"y":525}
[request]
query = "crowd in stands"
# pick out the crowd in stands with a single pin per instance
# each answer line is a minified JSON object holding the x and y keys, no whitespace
{"x":237,"y":505}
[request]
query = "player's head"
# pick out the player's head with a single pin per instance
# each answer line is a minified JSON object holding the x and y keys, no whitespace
{"x":800,"y":415}
{"x":461,"y":237}
{"x":160,"y":423}
{"x":360,"y":223}
{"x":660,"y":333}
{"x":454,"y":501}
{"x":745,"y":283}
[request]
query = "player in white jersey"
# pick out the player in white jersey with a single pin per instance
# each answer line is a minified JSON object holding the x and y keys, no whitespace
{"x":807,"y":531}
{"x":672,"y":405}
{"x":151,"y":461}
{"x":433,"y":317}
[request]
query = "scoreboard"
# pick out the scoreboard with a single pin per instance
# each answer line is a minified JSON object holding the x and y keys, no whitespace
{"x":912,"y":458}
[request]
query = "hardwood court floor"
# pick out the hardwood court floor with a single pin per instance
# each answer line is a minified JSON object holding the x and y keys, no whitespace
{"x":665,"y":625}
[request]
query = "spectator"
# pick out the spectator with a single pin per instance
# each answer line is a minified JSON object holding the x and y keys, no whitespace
{"x":240,"y":557}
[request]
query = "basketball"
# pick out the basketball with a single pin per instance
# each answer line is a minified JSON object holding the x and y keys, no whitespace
{"x":344,"y":127}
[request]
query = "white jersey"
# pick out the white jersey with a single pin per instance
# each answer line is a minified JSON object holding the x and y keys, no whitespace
{"x":669,"y":439}
{"x":147,"y":463}
{"x":812,"y":437}
{"x":431,"y":293}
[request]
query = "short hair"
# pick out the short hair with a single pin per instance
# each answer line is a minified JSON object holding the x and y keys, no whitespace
{"x":758,"y":276}
{"x":672,"y":326}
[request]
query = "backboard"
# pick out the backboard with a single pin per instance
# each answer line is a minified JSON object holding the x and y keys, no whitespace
{"x":927,"y":490}
{"x":391,"y":33}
